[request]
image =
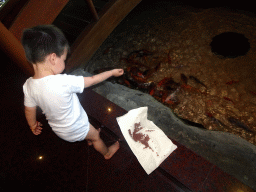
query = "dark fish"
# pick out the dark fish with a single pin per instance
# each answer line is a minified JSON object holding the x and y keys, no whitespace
{"x":146,"y":87}
{"x":149,"y":72}
{"x":171,"y":85}
{"x":140,"y":53}
{"x":169,"y":58}
{"x":218,"y":122}
{"x":197,"y":81}
{"x":107,"y":50}
{"x":238,"y":123}
{"x":183,"y":78}
{"x":228,"y":99}
{"x":191,"y":123}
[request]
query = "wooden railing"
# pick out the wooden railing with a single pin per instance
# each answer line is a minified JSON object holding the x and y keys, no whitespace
{"x":45,"y":12}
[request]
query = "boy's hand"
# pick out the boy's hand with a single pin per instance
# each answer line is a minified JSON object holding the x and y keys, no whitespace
{"x":37,"y":129}
{"x":117,"y":72}
{"x":95,"y":79}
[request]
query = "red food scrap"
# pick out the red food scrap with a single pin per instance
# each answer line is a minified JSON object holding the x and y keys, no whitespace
{"x":231,"y":82}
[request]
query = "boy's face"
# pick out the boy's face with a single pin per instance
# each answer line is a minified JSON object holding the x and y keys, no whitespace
{"x":60,"y":62}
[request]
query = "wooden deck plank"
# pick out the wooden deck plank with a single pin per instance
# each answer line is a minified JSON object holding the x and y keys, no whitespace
{"x":96,"y":32}
{"x":36,"y":13}
{"x":14,"y":50}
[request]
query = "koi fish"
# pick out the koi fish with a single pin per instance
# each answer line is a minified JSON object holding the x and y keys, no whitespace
{"x":163,"y":81}
{"x":152,"y":91}
{"x":140,"y":53}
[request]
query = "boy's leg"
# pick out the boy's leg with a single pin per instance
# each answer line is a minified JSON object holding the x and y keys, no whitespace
{"x":89,"y":141}
{"x":94,"y":136}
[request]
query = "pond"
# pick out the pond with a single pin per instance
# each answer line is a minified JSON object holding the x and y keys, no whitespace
{"x":217,"y":92}
{"x":214,"y":93}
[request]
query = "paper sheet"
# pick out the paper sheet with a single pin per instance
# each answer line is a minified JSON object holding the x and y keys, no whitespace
{"x":148,"y":142}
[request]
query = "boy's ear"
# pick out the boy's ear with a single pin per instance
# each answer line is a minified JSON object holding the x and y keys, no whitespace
{"x":52,"y":58}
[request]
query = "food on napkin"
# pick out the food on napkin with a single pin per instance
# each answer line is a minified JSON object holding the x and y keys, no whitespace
{"x":139,"y":137}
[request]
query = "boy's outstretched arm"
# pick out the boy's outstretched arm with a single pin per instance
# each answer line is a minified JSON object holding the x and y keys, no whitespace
{"x":89,"y":81}
{"x":35,"y":126}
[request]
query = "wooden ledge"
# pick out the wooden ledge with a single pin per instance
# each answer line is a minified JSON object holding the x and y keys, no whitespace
{"x":183,"y":170}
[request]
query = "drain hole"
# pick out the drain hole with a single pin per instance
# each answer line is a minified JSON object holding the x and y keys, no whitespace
{"x":230,"y":44}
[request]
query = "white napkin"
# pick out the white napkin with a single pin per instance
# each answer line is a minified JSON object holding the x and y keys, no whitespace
{"x":148,"y":142}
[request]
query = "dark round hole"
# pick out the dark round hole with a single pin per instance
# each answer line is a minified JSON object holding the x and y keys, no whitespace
{"x":230,"y":44}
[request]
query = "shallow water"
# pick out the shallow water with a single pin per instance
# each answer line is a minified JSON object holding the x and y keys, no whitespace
{"x":185,"y":33}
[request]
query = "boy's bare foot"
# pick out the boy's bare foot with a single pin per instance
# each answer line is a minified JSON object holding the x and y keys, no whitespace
{"x":112,"y":150}
{"x":89,"y":141}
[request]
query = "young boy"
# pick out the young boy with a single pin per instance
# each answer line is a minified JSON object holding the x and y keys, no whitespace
{"x":46,"y":48}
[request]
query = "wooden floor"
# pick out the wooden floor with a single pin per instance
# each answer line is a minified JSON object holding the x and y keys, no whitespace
{"x":64,"y":166}
{"x":76,"y":167}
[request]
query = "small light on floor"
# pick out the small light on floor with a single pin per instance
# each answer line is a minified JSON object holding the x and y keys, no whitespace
{"x":40,"y":157}
{"x":109,"y":109}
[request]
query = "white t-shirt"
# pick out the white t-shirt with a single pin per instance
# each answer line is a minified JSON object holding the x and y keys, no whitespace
{"x":56,"y":96}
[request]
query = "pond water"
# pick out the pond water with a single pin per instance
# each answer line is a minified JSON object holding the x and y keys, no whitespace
{"x":178,"y":39}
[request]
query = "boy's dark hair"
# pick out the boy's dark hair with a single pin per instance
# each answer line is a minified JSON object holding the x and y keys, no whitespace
{"x":43,"y":40}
